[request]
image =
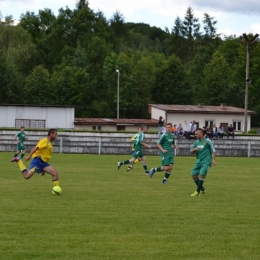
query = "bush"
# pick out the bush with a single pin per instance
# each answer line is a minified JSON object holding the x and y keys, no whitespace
{"x":252,"y":131}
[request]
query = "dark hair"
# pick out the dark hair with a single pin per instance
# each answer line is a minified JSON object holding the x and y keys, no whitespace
{"x":200,"y":129}
{"x":51,"y":131}
{"x":22,"y":127}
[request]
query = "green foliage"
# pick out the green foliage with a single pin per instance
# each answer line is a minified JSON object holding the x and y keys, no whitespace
{"x":71,"y":58}
{"x":10,"y":81}
{"x":109,"y":214}
{"x":216,"y":80}
{"x":252,"y":131}
{"x":171,"y":85}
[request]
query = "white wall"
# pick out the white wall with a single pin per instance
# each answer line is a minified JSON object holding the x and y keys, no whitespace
{"x":56,"y":117}
{"x":177,"y":118}
{"x":156,"y":113}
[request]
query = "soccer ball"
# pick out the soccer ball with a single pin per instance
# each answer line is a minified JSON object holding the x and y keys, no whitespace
{"x":56,"y":190}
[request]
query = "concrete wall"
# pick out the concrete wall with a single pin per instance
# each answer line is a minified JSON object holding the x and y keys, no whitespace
{"x":119,"y":143}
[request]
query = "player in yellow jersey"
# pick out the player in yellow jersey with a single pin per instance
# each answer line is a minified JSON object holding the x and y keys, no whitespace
{"x":130,"y":166}
{"x":41,"y":154}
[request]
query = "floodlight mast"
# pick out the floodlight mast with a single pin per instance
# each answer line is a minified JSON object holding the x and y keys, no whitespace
{"x":248,"y":80}
{"x":118,"y":76}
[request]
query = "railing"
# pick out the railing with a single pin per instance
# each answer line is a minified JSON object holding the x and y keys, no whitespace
{"x":119,"y":143}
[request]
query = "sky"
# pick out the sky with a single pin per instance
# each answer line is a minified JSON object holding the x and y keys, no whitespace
{"x":233,"y":17}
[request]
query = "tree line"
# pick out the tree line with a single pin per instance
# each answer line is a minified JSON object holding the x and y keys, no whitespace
{"x":72,"y":58}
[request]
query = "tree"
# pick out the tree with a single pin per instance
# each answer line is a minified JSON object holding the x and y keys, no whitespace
{"x":190,"y":30}
{"x":209,"y":26}
{"x":82,"y":4}
{"x":177,"y":43}
{"x":10,"y":82}
{"x":217,"y":74}
{"x":171,"y":85}
{"x":38,"y":89}
{"x":40,"y":28}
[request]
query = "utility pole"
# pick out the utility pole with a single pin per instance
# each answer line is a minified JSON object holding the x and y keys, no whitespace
{"x":248,"y":80}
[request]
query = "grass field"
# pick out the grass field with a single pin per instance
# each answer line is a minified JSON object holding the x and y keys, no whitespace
{"x":109,"y":214}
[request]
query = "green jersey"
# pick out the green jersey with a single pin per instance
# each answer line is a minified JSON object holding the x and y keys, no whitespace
{"x":21,"y":137}
{"x":138,"y":139}
{"x":166,"y":141}
{"x":204,"y":154}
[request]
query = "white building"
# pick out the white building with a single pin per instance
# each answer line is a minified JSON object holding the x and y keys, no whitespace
{"x":33,"y":116}
{"x":203,"y":115}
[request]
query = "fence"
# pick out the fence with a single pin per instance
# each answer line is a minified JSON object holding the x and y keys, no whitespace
{"x":119,"y":143}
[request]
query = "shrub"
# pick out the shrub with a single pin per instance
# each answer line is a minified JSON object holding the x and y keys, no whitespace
{"x":252,"y":131}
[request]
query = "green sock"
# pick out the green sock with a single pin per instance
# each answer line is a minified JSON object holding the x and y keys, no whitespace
{"x":145,"y":167}
{"x":16,"y":155}
{"x":167,"y":175}
{"x":22,"y":155}
{"x":158,"y":169}
{"x":196,"y":182}
{"x":125,"y":162}
{"x":200,"y":186}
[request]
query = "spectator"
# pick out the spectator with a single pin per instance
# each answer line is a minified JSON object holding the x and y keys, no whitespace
{"x":188,"y":125}
{"x":204,"y":131}
{"x":209,"y":132}
{"x":214,"y":131}
{"x":163,"y":131}
{"x":175,"y":130}
{"x":180,"y":130}
{"x":192,"y":127}
{"x":220,"y":131}
{"x":160,"y":126}
{"x":230,"y":131}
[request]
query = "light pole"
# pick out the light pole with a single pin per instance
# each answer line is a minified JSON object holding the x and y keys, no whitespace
{"x":248,"y":80}
{"x":118,"y":76}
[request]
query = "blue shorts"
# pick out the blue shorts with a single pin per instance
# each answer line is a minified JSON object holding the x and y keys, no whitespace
{"x":39,"y":163}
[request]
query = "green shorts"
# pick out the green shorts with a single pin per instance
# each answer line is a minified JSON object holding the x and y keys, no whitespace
{"x":167,"y":160}
{"x":20,"y":147}
{"x":137,"y":154}
{"x":200,"y":169}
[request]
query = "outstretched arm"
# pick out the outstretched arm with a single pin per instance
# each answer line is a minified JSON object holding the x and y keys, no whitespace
{"x":28,"y":157}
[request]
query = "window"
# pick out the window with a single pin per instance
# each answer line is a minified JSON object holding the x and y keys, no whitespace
{"x":120,"y":127}
{"x":237,"y":125}
{"x":29,"y":123}
{"x":96,"y":127}
{"x":209,"y":122}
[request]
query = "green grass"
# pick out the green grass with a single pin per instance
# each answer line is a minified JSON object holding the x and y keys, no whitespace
{"x":109,"y":214}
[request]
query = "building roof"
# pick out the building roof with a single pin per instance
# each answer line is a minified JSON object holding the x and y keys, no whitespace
{"x":111,"y":121}
{"x":31,"y":105}
{"x":202,"y":109}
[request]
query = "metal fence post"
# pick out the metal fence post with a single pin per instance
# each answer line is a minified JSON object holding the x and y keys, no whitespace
{"x":61,"y":144}
{"x":249,"y":149}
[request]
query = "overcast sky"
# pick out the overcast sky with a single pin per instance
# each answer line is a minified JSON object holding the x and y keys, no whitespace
{"x":232,"y":16}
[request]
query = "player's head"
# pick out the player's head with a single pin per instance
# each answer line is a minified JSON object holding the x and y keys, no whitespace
{"x":199,"y":133}
{"x":143,"y":128}
{"x":22,"y":128}
{"x":139,"y":129}
{"x":52,"y":134}
{"x":168,"y":127}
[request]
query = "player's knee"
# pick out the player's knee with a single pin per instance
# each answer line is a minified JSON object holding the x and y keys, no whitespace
{"x":55,"y":173}
{"x":194,"y":177}
{"x":26,"y":177}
